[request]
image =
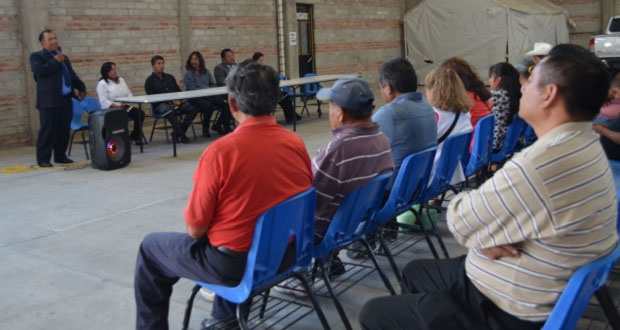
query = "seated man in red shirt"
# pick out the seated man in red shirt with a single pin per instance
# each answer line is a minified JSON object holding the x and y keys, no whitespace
{"x":238,"y":177}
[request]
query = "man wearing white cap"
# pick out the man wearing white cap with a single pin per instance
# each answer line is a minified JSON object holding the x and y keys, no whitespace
{"x":541,"y":49}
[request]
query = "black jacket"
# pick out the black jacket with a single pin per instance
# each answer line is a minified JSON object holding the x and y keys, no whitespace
{"x":47,"y":73}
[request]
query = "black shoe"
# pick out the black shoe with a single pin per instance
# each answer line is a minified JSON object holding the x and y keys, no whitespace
{"x":180,"y":138}
{"x":205,"y":132}
{"x":298,"y":117}
{"x":45,"y":164}
{"x":215,"y":324}
{"x":65,"y":160}
{"x":336,"y":268}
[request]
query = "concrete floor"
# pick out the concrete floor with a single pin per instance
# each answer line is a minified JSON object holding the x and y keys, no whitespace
{"x":69,"y":237}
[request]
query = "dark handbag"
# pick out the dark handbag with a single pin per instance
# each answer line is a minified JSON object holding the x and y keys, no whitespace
{"x":447,"y":133}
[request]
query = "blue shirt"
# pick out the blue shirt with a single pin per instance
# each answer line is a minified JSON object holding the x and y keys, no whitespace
{"x":409,"y":122}
{"x":193,"y":80}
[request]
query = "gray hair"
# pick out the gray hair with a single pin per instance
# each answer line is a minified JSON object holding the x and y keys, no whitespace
{"x":255,"y":87}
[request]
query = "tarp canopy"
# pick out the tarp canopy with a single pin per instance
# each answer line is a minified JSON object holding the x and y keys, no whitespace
{"x":483,"y":32}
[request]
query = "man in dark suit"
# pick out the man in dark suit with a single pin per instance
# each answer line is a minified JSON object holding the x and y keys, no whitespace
{"x":221,"y":70}
{"x":56,"y":82}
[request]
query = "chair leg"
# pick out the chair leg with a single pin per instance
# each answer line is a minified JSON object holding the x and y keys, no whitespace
{"x":418,"y":216}
{"x":190,"y":304}
{"x":315,"y":302}
{"x":71,"y":143}
{"x":166,"y":129}
{"x":607,"y":303}
{"x":384,"y":278}
{"x":332,"y":293}
{"x":264,"y":303}
{"x":153,"y":130}
{"x":390,"y":258}
{"x":84,"y":143}
{"x":443,"y":247}
{"x":318,"y":104}
{"x":242,"y":317}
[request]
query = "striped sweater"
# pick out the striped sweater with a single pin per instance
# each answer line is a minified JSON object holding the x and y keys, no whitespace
{"x":556,"y":202}
{"x":354,"y":157}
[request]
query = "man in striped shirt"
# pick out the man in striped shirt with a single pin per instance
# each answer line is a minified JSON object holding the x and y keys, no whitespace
{"x":550,"y":210}
{"x":357,"y":153}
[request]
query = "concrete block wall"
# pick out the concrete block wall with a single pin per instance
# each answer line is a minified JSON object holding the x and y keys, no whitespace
{"x":357,"y":36}
{"x":128,"y":33}
{"x":587,"y":16}
{"x":245,"y":26}
{"x":14,"y":117}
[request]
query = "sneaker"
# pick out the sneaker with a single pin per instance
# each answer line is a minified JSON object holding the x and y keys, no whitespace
{"x":291,"y":287}
{"x":207,"y":294}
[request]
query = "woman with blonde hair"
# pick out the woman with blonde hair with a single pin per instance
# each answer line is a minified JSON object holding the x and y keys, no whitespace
{"x":446,"y":93}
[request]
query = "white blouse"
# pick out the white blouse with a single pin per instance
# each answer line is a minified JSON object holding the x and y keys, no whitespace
{"x":109,"y":91}
{"x":444,"y":121}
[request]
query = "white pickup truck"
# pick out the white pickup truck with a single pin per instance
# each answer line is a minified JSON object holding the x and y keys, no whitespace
{"x":607,"y":46}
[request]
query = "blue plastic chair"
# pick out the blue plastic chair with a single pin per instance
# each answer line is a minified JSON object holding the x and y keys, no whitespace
{"x":480,"y":156}
{"x":515,"y":130}
{"x":585,"y":281}
{"x":408,"y":190}
{"x":454,"y":147}
{"x":530,"y":135}
{"x":309,"y":92}
{"x":78,"y":126}
{"x":291,"y":218}
{"x":352,"y":221}
{"x":90,"y":104}
{"x":289,"y":91}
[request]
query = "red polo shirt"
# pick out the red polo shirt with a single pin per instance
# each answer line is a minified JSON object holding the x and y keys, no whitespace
{"x":242,"y":175}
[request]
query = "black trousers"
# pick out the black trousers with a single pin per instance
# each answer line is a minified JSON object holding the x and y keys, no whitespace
{"x":136,"y":113}
{"x":55,"y":131}
{"x":188,"y":111}
{"x":286,"y":103}
{"x":438,"y":295}
{"x":207,"y":106}
{"x":163,"y":258}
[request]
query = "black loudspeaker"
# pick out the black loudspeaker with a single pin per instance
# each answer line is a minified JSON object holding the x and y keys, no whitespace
{"x":110,"y":147}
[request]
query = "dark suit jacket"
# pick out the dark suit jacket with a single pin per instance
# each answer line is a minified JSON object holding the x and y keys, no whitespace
{"x":220,"y":72}
{"x":47,"y":73}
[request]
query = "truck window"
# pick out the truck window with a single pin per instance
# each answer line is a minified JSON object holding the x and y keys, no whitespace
{"x":614,"y":26}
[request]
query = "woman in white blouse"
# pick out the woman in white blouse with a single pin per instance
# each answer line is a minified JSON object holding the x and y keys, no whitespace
{"x":446,"y":93}
{"x":111,"y":87}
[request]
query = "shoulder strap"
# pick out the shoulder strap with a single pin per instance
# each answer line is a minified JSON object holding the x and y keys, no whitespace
{"x":447,"y":133}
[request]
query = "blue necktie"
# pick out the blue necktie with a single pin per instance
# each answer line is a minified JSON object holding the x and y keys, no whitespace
{"x":66,"y":77}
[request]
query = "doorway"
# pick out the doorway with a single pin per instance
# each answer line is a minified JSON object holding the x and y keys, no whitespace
{"x":305,"y":30}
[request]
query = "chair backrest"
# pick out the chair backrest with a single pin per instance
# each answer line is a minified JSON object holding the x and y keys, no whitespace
{"x":76,"y":118}
{"x":313,"y":88}
{"x":482,"y":145}
{"x":515,"y":130}
{"x":286,"y":90}
{"x":530,"y":135}
{"x":410,"y":183}
{"x":454,"y":147}
{"x":292,"y":218}
{"x":354,"y":216}
{"x":578,"y":292}
{"x":90,"y":104}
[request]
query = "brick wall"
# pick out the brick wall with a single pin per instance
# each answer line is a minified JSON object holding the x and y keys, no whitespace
{"x":245,"y":26}
{"x":357,"y":36}
{"x":14,"y":119}
{"x":587,"y":15}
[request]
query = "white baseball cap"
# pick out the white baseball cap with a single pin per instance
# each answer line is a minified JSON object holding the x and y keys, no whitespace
{"x":540,"y":49}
